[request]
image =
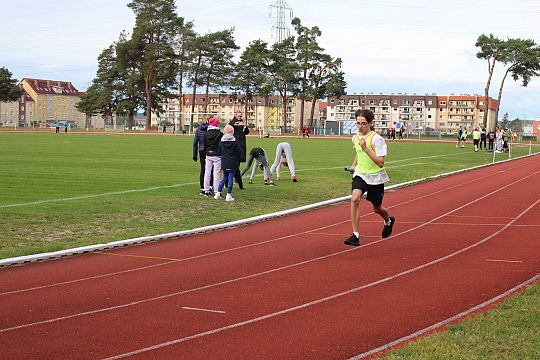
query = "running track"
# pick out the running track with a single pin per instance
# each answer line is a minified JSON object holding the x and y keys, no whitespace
{"x":288,"y":288}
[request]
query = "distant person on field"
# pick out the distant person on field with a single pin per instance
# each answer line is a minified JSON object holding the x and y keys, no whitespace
{"x":459,"y":136}
{"x":483,"y":137}
{"x":505,"y":138}
{"x":464,"y":135}
{"x":498,"y":140}
{"x":66,"y":126}
{"x":284,"y":157}
{"x":261,"y":160}
{"x":230,"y":153}
{"x":57,"y":126}
{"x":212,"y":168}
{"x":491,"y":139}
{"x":476,"y":139}
{"x":369,"y":175}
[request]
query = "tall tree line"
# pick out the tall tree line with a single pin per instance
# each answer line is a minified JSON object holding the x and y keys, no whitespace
{"x":520,"y":58}
{"x":164,"y":55}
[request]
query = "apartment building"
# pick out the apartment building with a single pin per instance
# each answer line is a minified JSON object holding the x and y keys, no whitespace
{"x":263,"y":112}
{"x":414,"y":112}
{"x":52,"y":101}
{"x":9,"y":113}
{"x":464,"y":110}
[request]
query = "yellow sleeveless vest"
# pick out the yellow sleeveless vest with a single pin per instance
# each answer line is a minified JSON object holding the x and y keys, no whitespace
{"x":364,"y":164}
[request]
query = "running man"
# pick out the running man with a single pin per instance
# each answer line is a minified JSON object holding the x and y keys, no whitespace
{"x":369,"y":175}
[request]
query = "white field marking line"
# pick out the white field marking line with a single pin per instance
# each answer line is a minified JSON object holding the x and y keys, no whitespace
{"x":170,"y":186}
{"x":232,"y":249}
{"x":442,"y":323}
{"x":321,"y":300}
{"x":481,"y":217}
{"x":39,"y":202}
{"x":282,"y":268}
{"x":205,"y":310}
{"x":505,"y":261}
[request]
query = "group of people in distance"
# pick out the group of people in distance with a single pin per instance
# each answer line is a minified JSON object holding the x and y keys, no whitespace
{"x":497,"y":140}
{"x":224,"y":151}
{"x":392,"y":130}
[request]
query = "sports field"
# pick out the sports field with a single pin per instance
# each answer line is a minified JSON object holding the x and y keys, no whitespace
{"x":61,"y":191}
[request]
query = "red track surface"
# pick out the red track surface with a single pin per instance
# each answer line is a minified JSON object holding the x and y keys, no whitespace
{"x":287,"y":288}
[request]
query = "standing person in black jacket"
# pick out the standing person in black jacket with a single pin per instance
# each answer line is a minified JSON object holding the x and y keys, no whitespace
{"x":198,"y":149}
{"x":240,"y":132}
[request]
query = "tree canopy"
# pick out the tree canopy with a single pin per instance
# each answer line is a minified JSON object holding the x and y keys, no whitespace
{"x":9,"y":90}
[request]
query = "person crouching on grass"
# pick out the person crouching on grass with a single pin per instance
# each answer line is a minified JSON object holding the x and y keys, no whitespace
{"x":369,"y":174}
{"x":230,"y":161}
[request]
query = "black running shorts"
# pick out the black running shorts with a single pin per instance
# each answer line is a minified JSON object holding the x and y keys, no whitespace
{"x":375,"y":193}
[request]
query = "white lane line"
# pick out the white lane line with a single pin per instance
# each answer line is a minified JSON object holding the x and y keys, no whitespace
{"x":442,"y":323}
{"x":505,"y":261}
{"x":321,"y":300}
{"x":89,"y":196}
{"x":205,"y":310}
{"x":292,"y":265}
{"x":232,"y":249}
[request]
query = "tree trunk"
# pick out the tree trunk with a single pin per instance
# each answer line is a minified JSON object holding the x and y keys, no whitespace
{"x":302,"y":102}
{"x":208,"y":86}
{"x":148,"y":86}
{"x":195,"y":80}
{"x":500,"y":96}
{"x":491,"y":67}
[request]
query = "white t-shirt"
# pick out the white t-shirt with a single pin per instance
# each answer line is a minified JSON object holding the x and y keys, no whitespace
{"x":379,"y":145}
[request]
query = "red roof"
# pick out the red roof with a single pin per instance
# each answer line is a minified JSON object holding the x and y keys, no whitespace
{"x":53,"y":87}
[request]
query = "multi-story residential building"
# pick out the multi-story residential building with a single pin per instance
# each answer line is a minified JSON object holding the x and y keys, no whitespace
{"x":53,"y":101}
{"x":464,"y":110}
{"x":263,"y":112}
{"x":9,"y":113}
{"x":415,"y":112}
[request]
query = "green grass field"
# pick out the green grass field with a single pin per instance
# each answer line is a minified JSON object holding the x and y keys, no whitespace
{"x":60,"y":191}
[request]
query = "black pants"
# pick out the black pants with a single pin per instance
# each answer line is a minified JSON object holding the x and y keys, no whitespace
{"x":491,"y":144}
{"x":238,"y":178}
{"x":483,"y":143}
{"x":202,"y":160}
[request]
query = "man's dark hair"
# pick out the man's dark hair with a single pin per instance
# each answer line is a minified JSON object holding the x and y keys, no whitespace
{"x":365,"y":113}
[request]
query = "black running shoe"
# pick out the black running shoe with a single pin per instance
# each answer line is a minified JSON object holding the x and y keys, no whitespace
{"x":352,"y":240}
{"x":387,"y":230}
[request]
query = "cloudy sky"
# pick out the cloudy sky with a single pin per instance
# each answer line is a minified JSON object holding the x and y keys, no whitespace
{"x":387,"y":46}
